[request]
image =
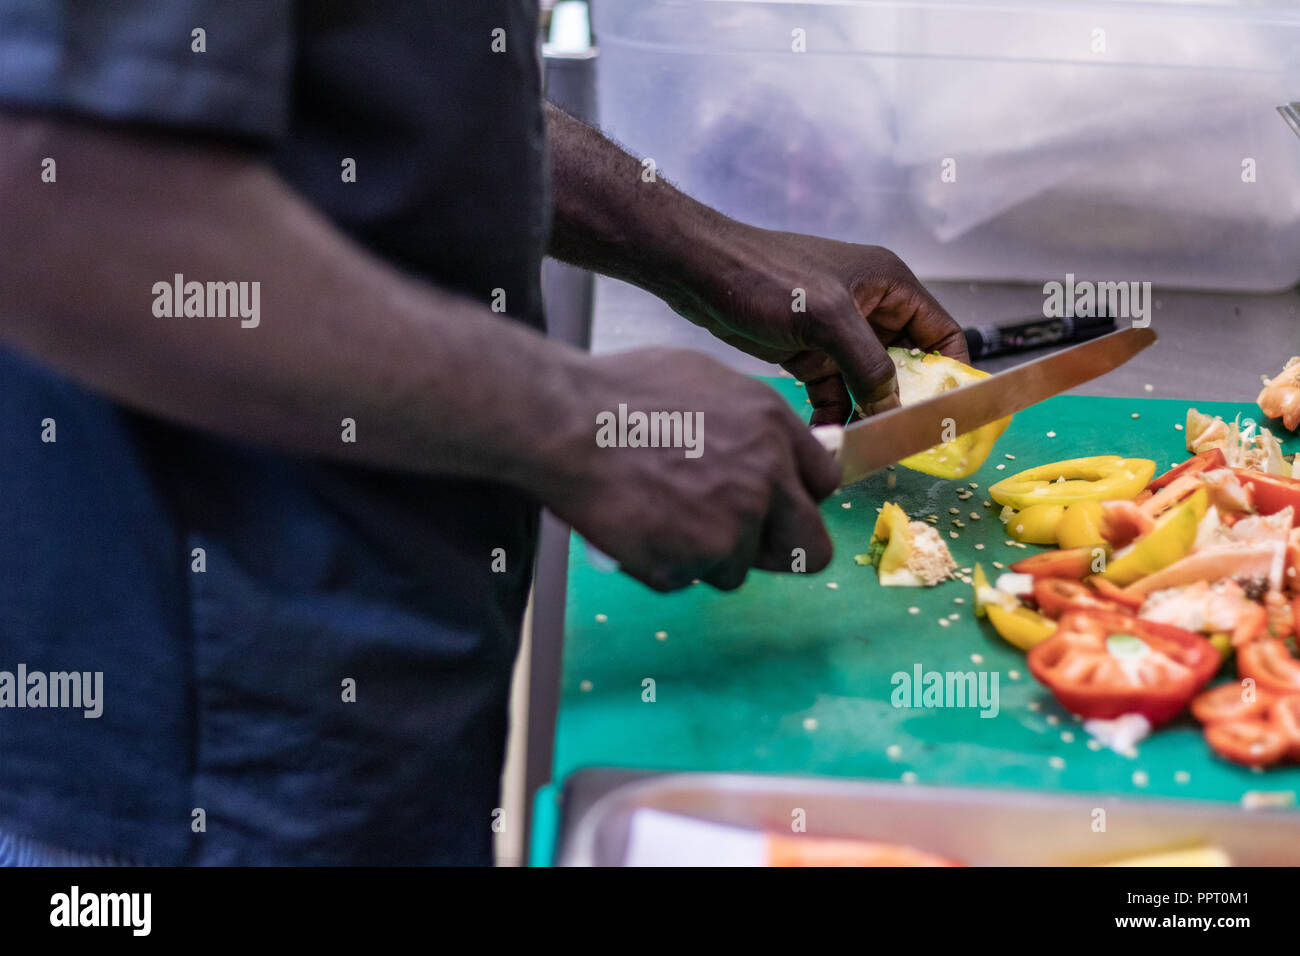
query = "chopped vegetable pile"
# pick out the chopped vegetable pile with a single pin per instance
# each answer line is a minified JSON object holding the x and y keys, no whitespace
{"x":1158,"y":582}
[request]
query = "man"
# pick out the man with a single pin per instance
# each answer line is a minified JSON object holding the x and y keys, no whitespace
{"x":273,"y":509}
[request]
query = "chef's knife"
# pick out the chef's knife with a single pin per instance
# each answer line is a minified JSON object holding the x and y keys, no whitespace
{"x":867,"y":446}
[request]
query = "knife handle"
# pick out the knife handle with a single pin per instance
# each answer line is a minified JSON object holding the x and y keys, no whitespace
{"x":831,"y":438}
{"x":983,"y":341}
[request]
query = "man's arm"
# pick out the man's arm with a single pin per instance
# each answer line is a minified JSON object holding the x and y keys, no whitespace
{"x":435,"y":383}
{"x":740,"y":282}
{"x":612,"y":219}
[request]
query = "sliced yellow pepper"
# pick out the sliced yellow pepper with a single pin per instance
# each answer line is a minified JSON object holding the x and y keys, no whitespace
{"x":1020,"y":626}
{"x":891,"y":542}
{"x":979,"y":582}
{"x":906,"y":553}
{"x":924,"y":376}
{"x":1222,"y":643}
{"x":1069,"y":526}
{"x":1037,"y":524}
{"x":985,"y":594}
{"x":1015,"y":623}
{"x":1100,"y":478}
{"x":1170,"y":540}
{"x":1081,"y":526}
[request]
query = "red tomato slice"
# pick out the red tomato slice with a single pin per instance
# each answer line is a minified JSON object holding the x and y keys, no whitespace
{"x":1230,"y":702}
{"x":1104,"y":664}
{"x":1205,"y":461}
{"x":1073,"y":563}
{"x":1284,"y":715}
{"x":1270,"y":665}
{"x":1272,"y":493}
{"x":1253,"y":743}
{"x":1055,"y":596}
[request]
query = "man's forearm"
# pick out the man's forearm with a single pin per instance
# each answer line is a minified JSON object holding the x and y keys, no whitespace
{"x":435,"y":383}
{"x":824,"y":309}
{"x":612,"y":216}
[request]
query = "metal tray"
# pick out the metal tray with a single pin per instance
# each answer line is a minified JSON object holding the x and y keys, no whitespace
{"x":975,"y":826}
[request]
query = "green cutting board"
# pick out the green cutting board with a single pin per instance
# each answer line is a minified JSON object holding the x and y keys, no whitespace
{"x":790,"y":675}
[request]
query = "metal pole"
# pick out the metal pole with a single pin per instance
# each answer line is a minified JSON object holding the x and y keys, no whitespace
{"x":570,"y":81}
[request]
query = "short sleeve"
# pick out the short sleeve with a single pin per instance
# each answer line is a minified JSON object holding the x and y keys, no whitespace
{"x":140,"y":61}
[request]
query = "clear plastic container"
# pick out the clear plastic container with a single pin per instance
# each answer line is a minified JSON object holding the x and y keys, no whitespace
{"x":1007,"y":140}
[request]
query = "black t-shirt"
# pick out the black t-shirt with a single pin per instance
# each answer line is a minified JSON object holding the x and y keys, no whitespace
{"x":224,"y":689}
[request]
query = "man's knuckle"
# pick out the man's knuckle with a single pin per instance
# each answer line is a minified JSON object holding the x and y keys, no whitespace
{"x":712,"y":542}
{"x":830,"y":310}
{"x":750,"y":503}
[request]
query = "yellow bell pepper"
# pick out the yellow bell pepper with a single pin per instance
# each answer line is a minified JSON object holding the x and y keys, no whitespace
{"x":1222,"y":643}
{"x":1068,"y":526}
{"x":1080,"y":526}
{"x":1100,"y":478}
{"x":1170,"y":540}
{"x":1020,"y":626}
{"x":981,"y":590}
{"x":1015,"y":623}
{"x":891,"y":542}
{"x":924,"y":376}
{"x":1037,"y":524}
{"x":906,"y":553}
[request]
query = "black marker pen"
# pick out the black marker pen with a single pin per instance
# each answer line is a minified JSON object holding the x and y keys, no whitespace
{"x":986,"y":340}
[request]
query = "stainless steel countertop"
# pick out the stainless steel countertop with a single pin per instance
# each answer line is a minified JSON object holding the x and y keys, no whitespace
{"x":1213,"y":346}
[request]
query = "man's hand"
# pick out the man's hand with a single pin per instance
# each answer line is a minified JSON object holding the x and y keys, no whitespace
{"x":748,"y":500}
{"x":823,"y":310}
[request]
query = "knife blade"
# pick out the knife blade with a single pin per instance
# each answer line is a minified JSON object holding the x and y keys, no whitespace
{"x":869,"y":445}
